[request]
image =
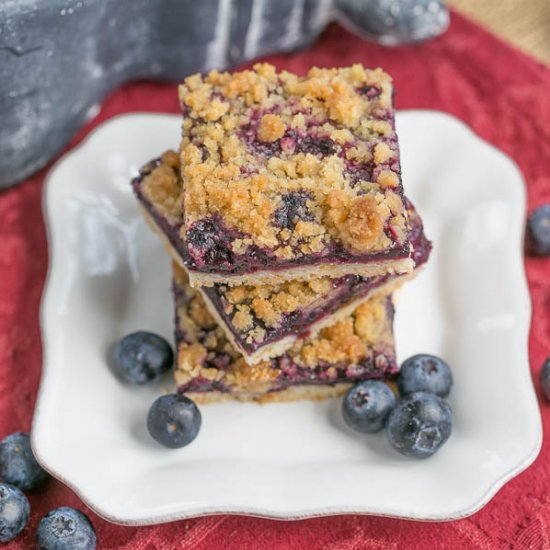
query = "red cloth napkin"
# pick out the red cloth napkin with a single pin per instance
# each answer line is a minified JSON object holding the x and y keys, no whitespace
{"x":505,"y":97}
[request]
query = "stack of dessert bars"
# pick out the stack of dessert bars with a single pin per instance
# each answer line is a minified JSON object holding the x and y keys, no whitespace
{"x":284,"y":213}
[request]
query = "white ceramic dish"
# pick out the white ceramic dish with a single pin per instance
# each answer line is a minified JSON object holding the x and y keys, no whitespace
{"x":109,"y":275}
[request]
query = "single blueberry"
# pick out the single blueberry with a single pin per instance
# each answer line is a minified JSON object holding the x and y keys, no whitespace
{"x":17,"y":463}
{"x":65,"y":529}
{"x":419,"y":424}
{"x":14,"y":512}
{"x":544,"y":378}
{"x":174,"y":420}
{"x":427,"y":373}
{"x":538,"y":231}
{"x":367,"y":406}
{"x":141,"y":357}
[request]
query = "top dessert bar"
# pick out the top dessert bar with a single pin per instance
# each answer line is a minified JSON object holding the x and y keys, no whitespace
{"x":289,"y":177}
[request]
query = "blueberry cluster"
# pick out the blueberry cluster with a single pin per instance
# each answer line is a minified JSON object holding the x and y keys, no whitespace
{"x":421,"y":421}
{"x":174,"y":421}
{"x":61,"y":529}
{"x":141,"y":357}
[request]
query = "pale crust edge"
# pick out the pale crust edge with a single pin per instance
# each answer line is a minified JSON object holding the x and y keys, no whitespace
{"x":293,"y":393}
{"x":370,"y":269}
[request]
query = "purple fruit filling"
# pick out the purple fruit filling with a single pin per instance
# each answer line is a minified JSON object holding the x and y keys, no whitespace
{"x":208,"y":243}
{"x":293,"y":210}
{"x":316,"y":145}
{"x":256,"y":259}
{"x":203,"y":385}
{"x":372,"y":92}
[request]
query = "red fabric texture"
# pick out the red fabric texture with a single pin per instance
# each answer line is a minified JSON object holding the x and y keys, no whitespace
{"x":505,"y":97}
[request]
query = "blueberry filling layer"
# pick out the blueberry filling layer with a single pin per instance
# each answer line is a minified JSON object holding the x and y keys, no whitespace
{"x":218,"y":246}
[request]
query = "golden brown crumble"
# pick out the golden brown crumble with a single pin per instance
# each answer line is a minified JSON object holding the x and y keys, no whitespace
{"x":270,"y":303}
{"x":245,"y":146}
{"x":358,"y":220}
{"x":343,"y":344}
{"x":162,"y":187}
{"x":271,"y":128}
{"x":386,"y":178}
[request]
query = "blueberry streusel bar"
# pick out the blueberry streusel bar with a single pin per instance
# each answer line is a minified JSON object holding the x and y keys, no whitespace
{"x":208,"y":368}
{"x":264,"y":321}
{"x":289,"y":177}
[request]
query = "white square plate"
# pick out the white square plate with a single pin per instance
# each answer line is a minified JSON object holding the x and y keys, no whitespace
{"x":109,"y":275}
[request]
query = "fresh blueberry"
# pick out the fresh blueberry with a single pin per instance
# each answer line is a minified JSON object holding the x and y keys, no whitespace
{"x":17,"y":463}
{"x":538,"y":231}
{"x":174,"y":420}
{"x":65,"y":529}
{"x":545,"y":378}
{"x":14,"y":512}
{"x":367,"y":405}
{"x":141,"y":357}
{"x":419,"y":424}
{"x":427,"y":373}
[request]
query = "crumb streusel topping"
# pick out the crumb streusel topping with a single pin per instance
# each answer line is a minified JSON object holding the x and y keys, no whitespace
{"x":270,"y":303}
{"x":161,"y":185}
{"x":293,"y":165}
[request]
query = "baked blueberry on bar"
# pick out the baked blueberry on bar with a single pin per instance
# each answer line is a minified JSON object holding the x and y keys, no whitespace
{"x":208,"y":368}
{"x":289,"y":177}
{"x":264,"y":321}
